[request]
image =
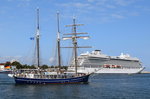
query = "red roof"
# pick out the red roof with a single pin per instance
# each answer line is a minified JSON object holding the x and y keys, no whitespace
{"x":2,"y":63}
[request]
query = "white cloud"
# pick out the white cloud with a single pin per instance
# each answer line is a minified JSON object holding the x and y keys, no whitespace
{"x":97,"y":4}
{"x":81,"y":5}
{"x":118,"y":16}
{"x":90,"y":0}
{"x":111,"y":9}
{"x":24,"y":3}
{"x":19,"y":0}
{"x":53,"y":61}
{"x":77,"y":4}
{"x":10,"y":58}
{"x":134,"y":14}
{"x":124,"y":2}
{"x":21,"y":3}
{"x":110,"y":6}
{"x":26,"y":0}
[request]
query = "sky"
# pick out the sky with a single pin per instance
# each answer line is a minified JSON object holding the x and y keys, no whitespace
{"x":114,"y":26}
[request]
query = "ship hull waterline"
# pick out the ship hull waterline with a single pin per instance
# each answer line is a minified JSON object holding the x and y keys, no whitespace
{"x":74,"y":80}
{"x":111,"y":70}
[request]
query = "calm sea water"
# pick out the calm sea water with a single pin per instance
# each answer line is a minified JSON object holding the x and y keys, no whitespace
{"x":102,"y":86}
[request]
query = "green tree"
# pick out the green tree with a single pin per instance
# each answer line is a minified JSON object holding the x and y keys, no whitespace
{"x":32,"y":67}
{"x":44,"y":67}
{"x":8,"y":64}
{"x":17,"y":64}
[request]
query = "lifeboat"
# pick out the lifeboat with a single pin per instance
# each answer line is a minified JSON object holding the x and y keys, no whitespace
{"x":106,"y":66}
{"x":113,"y":66}
{"x":118,"y":66}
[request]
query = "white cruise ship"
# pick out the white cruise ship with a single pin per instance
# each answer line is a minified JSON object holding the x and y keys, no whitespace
{"x":100,"y":63}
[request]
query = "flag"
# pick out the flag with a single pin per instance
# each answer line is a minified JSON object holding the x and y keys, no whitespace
{"x":31,"y":38}
{"x":7,"y":67}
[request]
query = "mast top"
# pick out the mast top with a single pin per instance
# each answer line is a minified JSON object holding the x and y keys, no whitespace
{"x":38,"y":24}
{"x":58,"y":30}
{"x":74,"y":17}
{"x":74,"y":23}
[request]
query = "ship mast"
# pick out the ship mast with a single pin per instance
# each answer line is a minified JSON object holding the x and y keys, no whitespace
{"x":38,"y":40}
{"x":58,"y":42}
{"x":75,"y":44}
{"x":74,"y":38}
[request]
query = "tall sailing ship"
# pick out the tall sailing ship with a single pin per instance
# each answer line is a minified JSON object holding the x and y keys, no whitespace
{"x":102,"y":63}
{"x":43,"y":76}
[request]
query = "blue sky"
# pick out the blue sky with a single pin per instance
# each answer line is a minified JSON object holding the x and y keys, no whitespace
{"x":115,"y":26}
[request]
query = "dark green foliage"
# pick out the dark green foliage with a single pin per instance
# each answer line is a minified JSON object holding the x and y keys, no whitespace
{"x":43,"y":67}
{"x":25,"y":66}
{"x":8,"y":64}
{"x":64,"y":67}
{"x":32,"y":67}
{"x":17,"y":64}
{"x":20,"y":66}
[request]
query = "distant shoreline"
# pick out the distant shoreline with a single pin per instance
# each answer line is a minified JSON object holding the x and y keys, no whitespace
{"x":145,"y":72}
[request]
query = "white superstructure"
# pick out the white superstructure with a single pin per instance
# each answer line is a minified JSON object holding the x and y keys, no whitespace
{"x":100,"y":63}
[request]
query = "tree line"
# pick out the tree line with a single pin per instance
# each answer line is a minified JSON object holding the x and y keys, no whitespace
{"x":18,"y":65}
